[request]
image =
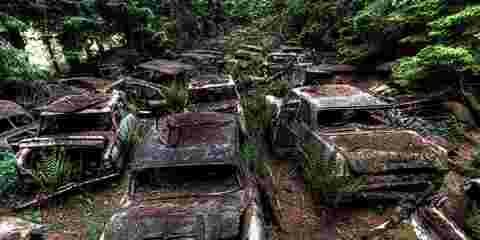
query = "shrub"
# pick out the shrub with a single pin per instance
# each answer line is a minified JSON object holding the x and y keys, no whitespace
{"x":15,"y":65}
{"x":258,"y":114}
{"x":12,"y":24}
{"x":444,"y":27}
{"x":430,"y":60}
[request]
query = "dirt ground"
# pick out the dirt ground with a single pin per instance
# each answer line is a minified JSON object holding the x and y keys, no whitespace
{"x":81,"y":216}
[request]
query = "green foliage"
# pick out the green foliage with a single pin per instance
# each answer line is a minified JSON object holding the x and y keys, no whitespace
{"x":200,"y":7}
{"x":472,"y":223}
{"x":176,"y":97}
{"x":373,"y":11}
{"x":33,"y":215}
{"x":73,"y":57}
{"x":8,"y":173}
{"x":429,"y":61}
{"x":296,"y":7}
{"x":14,"y":64}
{"x":79,"y":24}
{"x":322,"y":179}
{"x":258,"y":114}
{"x":248,"y":9}
{"x":12,"y":24}
{"x":248,"y":152}
{"x":444,"y":27}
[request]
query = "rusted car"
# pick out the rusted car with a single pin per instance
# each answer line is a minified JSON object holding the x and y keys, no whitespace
{"x":12,"y":228}
{"x":143,"y":95}
{"x":214,"y":93}
{"x":79,"y":143}
{"x":15,"y":124}
{"x":165,"y":72}
{"x":188,"y":182}
{"x":207,"y":61}
{"x":346,"y":127}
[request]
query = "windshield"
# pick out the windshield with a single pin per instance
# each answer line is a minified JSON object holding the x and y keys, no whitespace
{"x":204,"y":95}
{"x":14,"y":121}
{"x":344,"y":118}
{"x":57,"y":164}
{"x":188,"y":179}
{"x":56,"y":124}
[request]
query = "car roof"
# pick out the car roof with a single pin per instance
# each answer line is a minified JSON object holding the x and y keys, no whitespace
{"x":9,"y":109}
{"x":209,"y":81}
{"x":82,"y":103}
{"x":167,"y":66}
{"x":192,"y":138}
{"x":331,"y":96}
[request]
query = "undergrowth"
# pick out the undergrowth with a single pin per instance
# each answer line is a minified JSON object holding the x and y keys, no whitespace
{"x":321,"y":176}
{"x":8,"y":173}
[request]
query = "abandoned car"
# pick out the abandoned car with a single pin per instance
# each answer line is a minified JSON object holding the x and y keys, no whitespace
{"x":141,"y":94}
{"x":207,"y":61}
{"x":165,"y":72}
{"x":214,"y":93}
{"x":345,"y":126}
{"x":188,"y":182}
{"x":15,"y":124}
{"x":79,"y":142}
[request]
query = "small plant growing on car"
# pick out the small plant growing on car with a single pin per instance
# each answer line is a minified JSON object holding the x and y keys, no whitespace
{"x":320,"y":176}
{"x":177,"y":98}
{"x":456,"y":130}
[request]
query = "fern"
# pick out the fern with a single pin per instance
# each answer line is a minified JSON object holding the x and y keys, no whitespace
{"x":8,"y":173}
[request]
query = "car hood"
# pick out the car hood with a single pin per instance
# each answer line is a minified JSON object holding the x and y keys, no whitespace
{"x":226,"y":106}
{"x":205,"y":218}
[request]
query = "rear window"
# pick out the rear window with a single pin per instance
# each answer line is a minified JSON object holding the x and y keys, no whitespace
{"x":5,"y":125}
{"x":188,"y":179}
{"x":204,"y":95}
{"x":20,"y":120}
{"x":76,"y":123}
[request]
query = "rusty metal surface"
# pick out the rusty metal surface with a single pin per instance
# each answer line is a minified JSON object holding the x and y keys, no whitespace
{"x":208,"y":218}
{"x":189,"y":138}
{"x":8,"y":109}
{"x":331,"y":96}
{"x":375,"y":152}
{"x":332,"y":68}
{"x":167,"y":67}
{"x":76,"y":103}
{"x":210,"y":80}
{"x":227,"y":106}
{"x":88,"y":83}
